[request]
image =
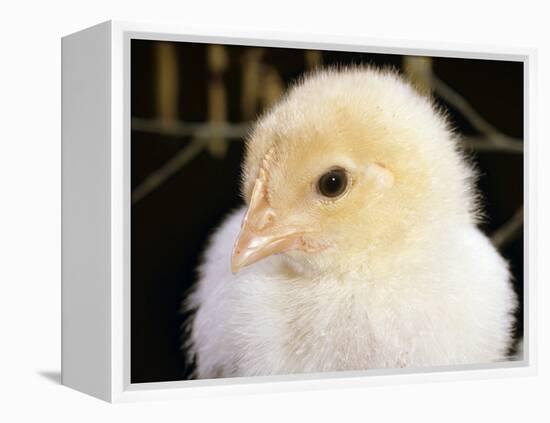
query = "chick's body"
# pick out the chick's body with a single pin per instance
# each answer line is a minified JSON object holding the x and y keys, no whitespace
{"x":391,"y":272}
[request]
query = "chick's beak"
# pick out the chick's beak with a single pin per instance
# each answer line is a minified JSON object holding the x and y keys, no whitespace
{"x":261,"y":233}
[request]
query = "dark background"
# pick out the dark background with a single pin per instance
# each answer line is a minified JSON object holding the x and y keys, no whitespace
{"x":171,"y":223}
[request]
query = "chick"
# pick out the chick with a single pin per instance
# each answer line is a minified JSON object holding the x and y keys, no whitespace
{"x":358,"y":246}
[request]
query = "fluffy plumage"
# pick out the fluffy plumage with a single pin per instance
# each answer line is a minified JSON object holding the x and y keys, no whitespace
{"x":392,"y":273}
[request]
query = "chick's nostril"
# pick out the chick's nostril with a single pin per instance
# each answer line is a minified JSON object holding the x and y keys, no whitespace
{"x":264,"y":219}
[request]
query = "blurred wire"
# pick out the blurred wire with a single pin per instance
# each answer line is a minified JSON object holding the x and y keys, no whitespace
{"x":158,"y":177}
{"x":202,"y":135}
{"x":510,"y":230}
{"x":235,"y":131}
{"x":492,"y":138}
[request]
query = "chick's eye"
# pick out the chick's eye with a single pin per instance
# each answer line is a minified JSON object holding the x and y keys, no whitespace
{"x":333,"y":183}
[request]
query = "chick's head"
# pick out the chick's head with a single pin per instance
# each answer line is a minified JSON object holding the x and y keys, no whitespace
{"x":349,"y":164}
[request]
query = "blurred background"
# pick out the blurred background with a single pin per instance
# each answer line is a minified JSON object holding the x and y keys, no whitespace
{"x":192,"y":104}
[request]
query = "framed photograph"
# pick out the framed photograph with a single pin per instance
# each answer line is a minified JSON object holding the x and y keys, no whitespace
{"x":265,"y":212}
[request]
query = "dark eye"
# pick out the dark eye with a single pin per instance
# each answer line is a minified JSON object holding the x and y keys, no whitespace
{"x":333,"y":183}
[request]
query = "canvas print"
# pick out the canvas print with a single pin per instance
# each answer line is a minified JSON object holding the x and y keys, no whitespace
{"x":309,"y":211}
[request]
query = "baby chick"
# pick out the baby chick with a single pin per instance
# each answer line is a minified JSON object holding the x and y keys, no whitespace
{"x":358,"y":246}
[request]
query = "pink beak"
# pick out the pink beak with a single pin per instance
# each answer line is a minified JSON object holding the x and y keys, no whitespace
{"x":261,"y":234}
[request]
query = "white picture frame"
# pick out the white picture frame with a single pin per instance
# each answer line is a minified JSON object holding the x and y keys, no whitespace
{"x":96,"y":214}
